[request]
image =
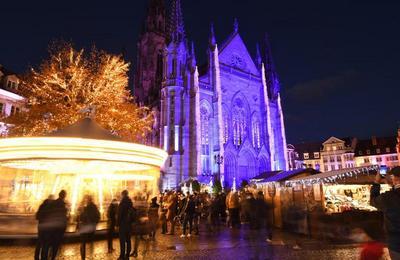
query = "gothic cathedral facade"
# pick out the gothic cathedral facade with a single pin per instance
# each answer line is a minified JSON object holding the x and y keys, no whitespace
{"x":222,"y":119}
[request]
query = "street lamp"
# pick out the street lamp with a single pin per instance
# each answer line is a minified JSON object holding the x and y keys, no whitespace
{"x":219,"y":159}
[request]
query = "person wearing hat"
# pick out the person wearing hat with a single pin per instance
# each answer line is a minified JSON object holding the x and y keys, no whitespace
{"x":389,"y":204}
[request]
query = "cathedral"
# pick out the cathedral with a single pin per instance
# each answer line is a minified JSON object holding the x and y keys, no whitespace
{"x":221,"y":120}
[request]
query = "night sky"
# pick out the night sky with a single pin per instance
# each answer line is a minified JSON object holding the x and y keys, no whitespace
{"x":337,"y":61}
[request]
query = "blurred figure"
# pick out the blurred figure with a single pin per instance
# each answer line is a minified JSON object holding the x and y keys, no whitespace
{"x":124,"y":221}
{"x":111,"y":223}
{"x":59,"y":222}
{"x":371,"y":250}
{"x":389,"y":204}
{"x":197,"y":215}
{"x":232,"y":203}
{"x":171,"y":211}
{"x":188,"y":210}
{"x":44,"y":227}
{"x":213,"y":215}
{"x":88,"y":218}
{"x":153,"y":217}
{"x":163,"y":214}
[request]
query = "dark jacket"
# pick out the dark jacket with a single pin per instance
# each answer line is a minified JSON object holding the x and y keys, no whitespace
{"x":389,"y":204}
{"x":43,"y":215}
{"x":124,"y":213}
{"x":190,"y":207}
{"x":59,"y":213}
{"x":112,"y":215}
{"x":88,"y":219}
{"x":90,"y":214}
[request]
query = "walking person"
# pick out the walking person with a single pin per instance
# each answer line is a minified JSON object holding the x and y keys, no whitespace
{"x":189,"y":209}
{"x":171,"y":211}
{"x":153,"y":217}
{"x":124,"y":222}
{"x":389,"y":204}
{"x":88,"y":218}
{"x":163,"y":214}
{"x":44,"y":225}
{"x":59,"y":221}
{"x":111,"y":223}
{"x":232,"y":203}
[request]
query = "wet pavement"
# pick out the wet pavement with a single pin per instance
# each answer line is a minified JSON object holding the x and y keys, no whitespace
{"x":227,"y":244}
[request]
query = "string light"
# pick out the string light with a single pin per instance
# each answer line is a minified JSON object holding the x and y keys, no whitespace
{"x":71,"y":81}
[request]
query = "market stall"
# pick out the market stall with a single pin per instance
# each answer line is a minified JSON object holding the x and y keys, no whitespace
{"x":334,"y":203}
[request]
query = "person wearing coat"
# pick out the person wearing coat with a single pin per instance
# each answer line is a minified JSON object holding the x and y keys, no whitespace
{"x":88,"y":218}
{"x":44,"y":225}
{"x":111,"y":223}
{"x":153,"y":217}
{"x":189,"y":209}
{"x":172,"y":204}
{"x":232,"y":204}
{"x":389,"y":204}
{"x":124,"y":222}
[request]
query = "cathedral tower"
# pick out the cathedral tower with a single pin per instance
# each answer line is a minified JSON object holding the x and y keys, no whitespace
{"x":179,"y":98}
{"x":149,"y":58}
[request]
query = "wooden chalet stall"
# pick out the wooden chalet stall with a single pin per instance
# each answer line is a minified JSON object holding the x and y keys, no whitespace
{"x":331,"y":204}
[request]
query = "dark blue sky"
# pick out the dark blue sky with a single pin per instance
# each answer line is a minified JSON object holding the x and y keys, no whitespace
{"x":337,"y":60}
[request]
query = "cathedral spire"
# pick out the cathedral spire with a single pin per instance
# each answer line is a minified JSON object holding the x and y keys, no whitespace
{"x":258,"y":56}
{"x":272,"y":77}
{"x":155,"y":20}
{"x":193,"y":55}
{"x":235,"y":26}
{"x":212,"y":40}
{"x":176,"y":26}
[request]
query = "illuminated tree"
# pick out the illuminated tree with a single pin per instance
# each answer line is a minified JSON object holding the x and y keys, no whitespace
{"x":71,"y":81}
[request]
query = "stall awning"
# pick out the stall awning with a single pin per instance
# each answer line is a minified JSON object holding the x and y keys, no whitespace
{"x":335,"y":176}
{"x":285,"y":175}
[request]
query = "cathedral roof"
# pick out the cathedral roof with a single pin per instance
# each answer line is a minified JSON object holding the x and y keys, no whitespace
{"x":234,"y":52}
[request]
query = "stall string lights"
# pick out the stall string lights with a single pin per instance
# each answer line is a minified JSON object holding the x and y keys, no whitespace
{"x":334,"y":178}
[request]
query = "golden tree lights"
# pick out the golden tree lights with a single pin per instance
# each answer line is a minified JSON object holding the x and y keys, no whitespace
{"x":71,"y":81}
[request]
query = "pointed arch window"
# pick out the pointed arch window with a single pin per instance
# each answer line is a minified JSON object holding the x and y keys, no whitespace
{"x":256,"y":134}
{"x":226,"y":126}
{"x":205,"y":140}
{"x":239,"y":123}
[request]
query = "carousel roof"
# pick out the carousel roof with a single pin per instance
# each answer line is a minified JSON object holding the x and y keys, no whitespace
{"x":86,"y":128}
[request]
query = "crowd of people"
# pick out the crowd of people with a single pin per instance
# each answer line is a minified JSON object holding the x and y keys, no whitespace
{"x":178,"y":213}
{"x":172,"y":211}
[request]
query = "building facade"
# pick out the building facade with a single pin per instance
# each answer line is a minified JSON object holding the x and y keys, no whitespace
{"x":10,"y":101}
{"x":222,"y":119}
{"x":342,"y":153}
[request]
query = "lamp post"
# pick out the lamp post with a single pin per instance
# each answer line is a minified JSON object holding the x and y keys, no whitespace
{"x":219,"y":159}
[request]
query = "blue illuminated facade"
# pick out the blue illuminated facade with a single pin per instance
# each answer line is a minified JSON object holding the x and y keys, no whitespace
{"x":229,"y":108}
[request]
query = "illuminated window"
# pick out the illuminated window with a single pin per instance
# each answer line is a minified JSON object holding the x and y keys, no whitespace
{"x":306,"y":156}
{"x":368,"y":151}
{"x":256,"y":134}
{"x":334,"y":148}
{"x":378,"y":150}
{"x":205,"y":142}
{"x":239,"y":123}
{"x":226,"y":129}
{"x":387,"y":149}
{"x":176,"y":143}
{"x":316,"y":155}
{"x":165,"y":138}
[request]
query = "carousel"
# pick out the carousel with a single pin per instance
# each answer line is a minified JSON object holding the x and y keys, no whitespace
{"x":83,"y":159}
